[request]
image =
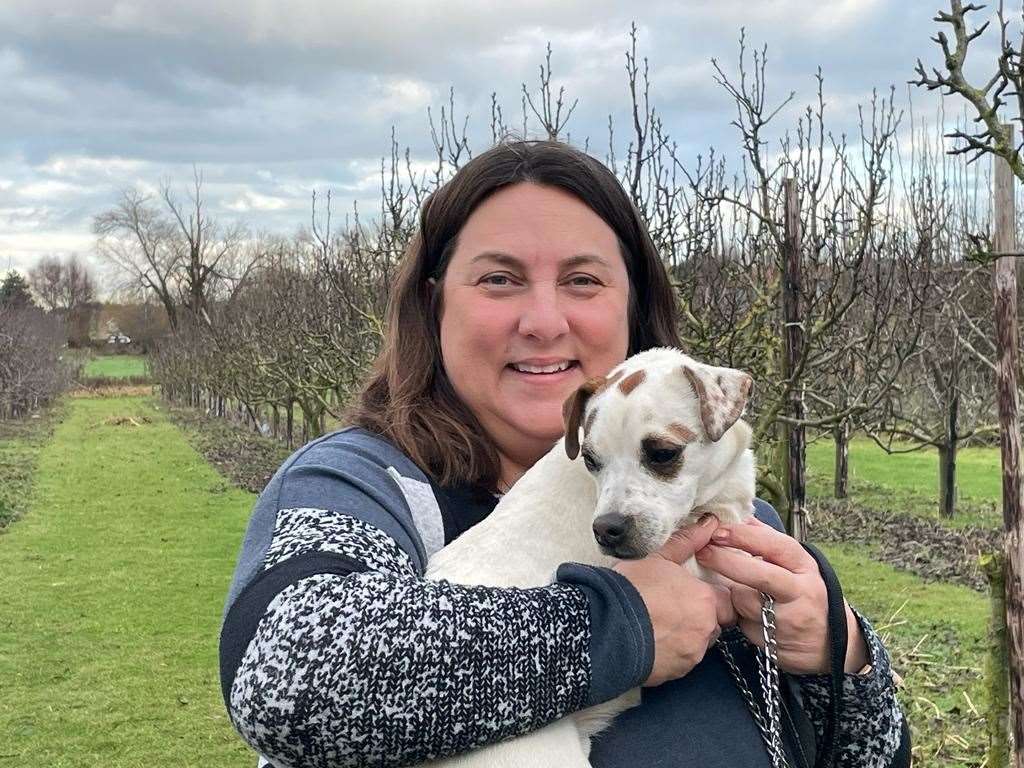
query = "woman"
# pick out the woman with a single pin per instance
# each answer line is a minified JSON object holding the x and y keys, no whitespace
{"x":531,"y":272}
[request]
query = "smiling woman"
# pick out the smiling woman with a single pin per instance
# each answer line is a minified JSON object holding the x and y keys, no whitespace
{"x":530,"y":278}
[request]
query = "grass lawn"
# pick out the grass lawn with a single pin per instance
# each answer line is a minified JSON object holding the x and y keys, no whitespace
{"x":910,"y":482}
{"x":116,"y":366}
{"x":111,"y":589}
{"x":935,"y":634}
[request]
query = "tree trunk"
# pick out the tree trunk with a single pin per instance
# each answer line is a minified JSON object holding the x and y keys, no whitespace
{"x":792,"y":332}
{"x":841,"y":435}
{"x":290,"y":423}
{"x":947,"y":479}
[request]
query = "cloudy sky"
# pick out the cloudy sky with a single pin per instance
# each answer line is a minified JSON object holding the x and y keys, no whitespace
{"x":272,"y":100}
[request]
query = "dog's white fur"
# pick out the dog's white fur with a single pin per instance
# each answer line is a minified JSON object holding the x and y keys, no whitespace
{"x":546,"y":518}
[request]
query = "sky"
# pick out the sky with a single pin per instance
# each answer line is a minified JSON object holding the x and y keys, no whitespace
{"x":273,"y":100}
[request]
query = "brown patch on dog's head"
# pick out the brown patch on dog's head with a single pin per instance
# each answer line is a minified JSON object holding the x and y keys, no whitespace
{"x":683,"y":432}
{"x":631,"y":382}
{"x":609,"y":381}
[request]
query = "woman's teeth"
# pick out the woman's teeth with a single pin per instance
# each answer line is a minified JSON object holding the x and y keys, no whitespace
{"x":554,"y":368}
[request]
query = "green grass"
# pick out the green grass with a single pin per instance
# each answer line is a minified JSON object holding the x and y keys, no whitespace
{"x":909,"y":482}
{"x":116,"y":367}
{"x":935,"y":634}
{"x":111,"y":589}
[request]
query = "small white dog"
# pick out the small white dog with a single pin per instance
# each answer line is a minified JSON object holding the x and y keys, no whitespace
{"x":662,"y":445}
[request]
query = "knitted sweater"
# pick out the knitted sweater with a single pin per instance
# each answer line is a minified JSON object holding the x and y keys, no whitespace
{"x":335,"y":651}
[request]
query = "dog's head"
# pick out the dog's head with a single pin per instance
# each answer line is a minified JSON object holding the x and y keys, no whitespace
{"x":652,"y":434}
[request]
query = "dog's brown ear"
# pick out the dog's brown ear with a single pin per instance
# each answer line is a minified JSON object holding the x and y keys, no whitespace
{"x":723,"y":394}
{"x":572,"y":413}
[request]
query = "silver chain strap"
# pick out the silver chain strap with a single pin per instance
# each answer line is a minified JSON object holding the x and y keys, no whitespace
{"x":768,"y":719}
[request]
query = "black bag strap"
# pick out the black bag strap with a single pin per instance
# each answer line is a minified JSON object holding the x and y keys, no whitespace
{"x":837,"y":641}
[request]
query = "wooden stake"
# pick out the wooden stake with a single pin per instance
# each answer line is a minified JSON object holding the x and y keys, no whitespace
{"x":996,"y":673}
{"x":793,"y":336}
{"x":1005,"y":295}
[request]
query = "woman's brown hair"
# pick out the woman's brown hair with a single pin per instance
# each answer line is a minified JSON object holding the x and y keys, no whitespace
{"x":408,"y":398}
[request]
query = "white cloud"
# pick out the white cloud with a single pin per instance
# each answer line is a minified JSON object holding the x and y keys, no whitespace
{"x":48,"y":190}
{"x":81,"y":166}
{"x":249,"y":200}
{"x":398,"y":96}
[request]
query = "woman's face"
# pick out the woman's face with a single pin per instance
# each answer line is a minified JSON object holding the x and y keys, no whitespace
{"x":534,"y":302}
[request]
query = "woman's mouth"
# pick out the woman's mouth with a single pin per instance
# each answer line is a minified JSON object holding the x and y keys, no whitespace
{"x":548,"y":372}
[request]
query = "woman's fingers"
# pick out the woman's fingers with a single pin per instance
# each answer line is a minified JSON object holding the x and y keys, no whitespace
{"x":725,"y":610}
{"x":753,"y":631}
{"x":747,"y":602}
{"x":764,"y":541}
{"x":761,"y":575}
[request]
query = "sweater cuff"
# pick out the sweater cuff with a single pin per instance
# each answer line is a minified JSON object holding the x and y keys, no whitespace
{"x":621,"y":635}
{"x":859,"y":691}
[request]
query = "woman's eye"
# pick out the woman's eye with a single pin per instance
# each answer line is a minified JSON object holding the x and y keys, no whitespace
{"x":583,"y":281}
{"x":499,"y":280}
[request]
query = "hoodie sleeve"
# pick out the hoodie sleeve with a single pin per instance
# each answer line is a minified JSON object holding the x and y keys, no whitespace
{"x":335,"y":651}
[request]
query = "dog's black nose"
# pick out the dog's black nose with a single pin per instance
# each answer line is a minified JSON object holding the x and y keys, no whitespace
{"x":612,"y":529}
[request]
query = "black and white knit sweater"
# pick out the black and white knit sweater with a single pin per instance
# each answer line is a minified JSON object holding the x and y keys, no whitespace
{"x":335,"y":651}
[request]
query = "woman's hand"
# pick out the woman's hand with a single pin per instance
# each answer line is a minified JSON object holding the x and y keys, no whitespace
{"x":686,"y":613}
{"x":783,"y":569}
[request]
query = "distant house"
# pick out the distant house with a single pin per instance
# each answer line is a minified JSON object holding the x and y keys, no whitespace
{"x":103,"y":326}
{"x":109,"y":332}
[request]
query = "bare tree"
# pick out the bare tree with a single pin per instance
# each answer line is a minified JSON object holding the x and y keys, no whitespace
{"x":137,"y":240}
{"x":177,"y":250}
{"x":68,"y":288}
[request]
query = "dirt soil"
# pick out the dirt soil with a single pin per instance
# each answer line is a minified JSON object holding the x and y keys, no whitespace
{"x":247,"y":459}
{"x":926,"y":547}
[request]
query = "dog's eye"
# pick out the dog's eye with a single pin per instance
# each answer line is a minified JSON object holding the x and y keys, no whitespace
{"x":591,"y":463}
{"x":663,"y":455}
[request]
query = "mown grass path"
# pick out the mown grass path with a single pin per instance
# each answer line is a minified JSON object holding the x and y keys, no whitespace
{"x":111,"y":590}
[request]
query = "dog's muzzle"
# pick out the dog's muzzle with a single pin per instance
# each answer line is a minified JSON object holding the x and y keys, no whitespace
{"x":614,"y":534}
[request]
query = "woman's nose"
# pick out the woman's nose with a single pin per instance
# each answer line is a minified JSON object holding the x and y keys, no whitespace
{"x":541,"y":315}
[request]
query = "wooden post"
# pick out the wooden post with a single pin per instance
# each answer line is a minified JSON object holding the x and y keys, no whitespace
{"x":793,"y":337}
{"x":1005,"y":294}
{"x":996,"y":673}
